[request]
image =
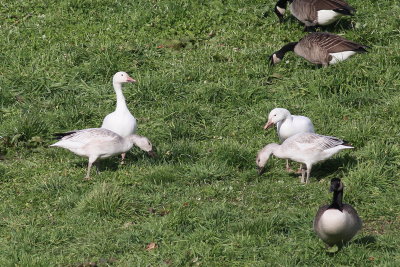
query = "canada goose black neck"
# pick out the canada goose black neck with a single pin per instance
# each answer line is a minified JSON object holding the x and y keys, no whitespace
{"x":337,"y":188}
{"x":286,"y":48}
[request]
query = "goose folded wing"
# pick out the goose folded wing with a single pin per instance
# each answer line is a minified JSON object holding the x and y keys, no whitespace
{"x":319,"y":142}
{"x":91,"y":135}
{"x":336,"y":5}
{"x":336,"y":44}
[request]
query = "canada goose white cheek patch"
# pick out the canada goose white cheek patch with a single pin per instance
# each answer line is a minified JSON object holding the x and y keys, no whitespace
{"x":281,"y":10}
{"x":337,"y":57}
{"x":276,"y":59}
{"x":326,"y":17}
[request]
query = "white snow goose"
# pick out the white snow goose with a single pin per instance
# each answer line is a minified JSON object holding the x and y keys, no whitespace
{"x":288,"y":125}
{"x":306,"y":148}
{"x":121,"y":121}
{"x":98,"y":143}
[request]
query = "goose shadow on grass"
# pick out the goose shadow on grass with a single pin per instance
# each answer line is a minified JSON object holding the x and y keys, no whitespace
{"x":112,"y":163}
{"x":364,"y":241}
{"x":323,"y":169}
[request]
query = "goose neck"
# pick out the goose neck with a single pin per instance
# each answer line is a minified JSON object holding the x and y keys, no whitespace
{"x":337,"y":200}
{"x":286,"y":48}
{"x":121,"y":104}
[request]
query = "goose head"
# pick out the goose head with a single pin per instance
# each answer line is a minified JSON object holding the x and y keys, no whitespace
{"x":336,"y":185}
{"x":143,"y":143}
{"x":122,"y":77}
{"x":280,"y":9}
{"x":275,"y":58}
{"x":276,"y":115}
{"x":263,"y":156}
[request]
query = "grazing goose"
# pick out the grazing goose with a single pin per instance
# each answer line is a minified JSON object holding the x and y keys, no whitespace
{"x":314,"y":12}
{"x":121,"y":120}
{"x":320,"y":48}
{"x":288,"y":125}
{"x":336,"y":223}
{"x":96,"y":143}
{"x":307,"y":148}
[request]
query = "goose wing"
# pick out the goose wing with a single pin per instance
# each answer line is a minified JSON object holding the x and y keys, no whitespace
{"x":317,"y":141}
{"x":335,"y":5}
{"x":83,"y":137}
{"x":332,"y":43}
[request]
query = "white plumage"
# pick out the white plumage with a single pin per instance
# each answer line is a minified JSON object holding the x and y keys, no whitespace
{"x":306,"y":148}
{"x":288,"y":125}
{"x":96,"y":143}
{"x":121,"y":121}
{"x":326,"y":17}
{"x":340,"y":56}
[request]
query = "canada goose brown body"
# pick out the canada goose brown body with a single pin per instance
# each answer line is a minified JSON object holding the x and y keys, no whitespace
{"x":315,"y":12}
{"x":320,"y":48}
{"x":337,"y":223}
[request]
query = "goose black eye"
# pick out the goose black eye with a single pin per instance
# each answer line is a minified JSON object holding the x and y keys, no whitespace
{"x":122,"y":74}
{"x":275,"y":115}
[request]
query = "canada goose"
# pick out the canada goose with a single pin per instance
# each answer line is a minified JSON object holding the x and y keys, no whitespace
{"x":320,"y":48}
{"x":288,"y":125}
{"x":338,"y":222}
{"x":307,"y":148}
{"x":96,"y":143}
{"x":121,"y":120}
{"x":314,"y":12}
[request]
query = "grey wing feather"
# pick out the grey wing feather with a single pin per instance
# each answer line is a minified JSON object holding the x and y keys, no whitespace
{"x":320,"y":141}
{"x":87,"y":134}
{"x":332,"y":43}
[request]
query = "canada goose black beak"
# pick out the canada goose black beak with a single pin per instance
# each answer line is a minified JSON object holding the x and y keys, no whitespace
{"x":261,"y":170}
{"x":152,"y":154}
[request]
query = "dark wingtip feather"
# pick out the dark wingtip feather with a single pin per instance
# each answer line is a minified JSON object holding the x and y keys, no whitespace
{"x":346,"y":143}
{"x":59,"y":136}
{"x":345,"y":12}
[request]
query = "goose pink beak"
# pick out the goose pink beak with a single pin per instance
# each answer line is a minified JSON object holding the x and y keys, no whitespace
{"x":269,"y":124}
{"x":130,"y":80}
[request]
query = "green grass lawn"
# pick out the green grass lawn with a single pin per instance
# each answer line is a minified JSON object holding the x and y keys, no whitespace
{"x":203,"y":94}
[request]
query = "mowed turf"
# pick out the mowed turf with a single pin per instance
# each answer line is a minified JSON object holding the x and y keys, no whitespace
{"x":203,"y":94}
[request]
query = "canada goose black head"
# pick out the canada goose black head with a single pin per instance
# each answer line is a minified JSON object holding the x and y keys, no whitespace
{"x":277,"y":57}
{"x":280,"y":9}
{"x":336,"y":185}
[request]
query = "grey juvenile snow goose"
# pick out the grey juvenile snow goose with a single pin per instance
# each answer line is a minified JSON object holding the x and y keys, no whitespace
{"x":96,"y":143}
{"x":307,"y":148}
{"x":288,"y":125}
{"x":336,"y":223}
{"x":320,"y":48}
{"x":314,"y":12}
